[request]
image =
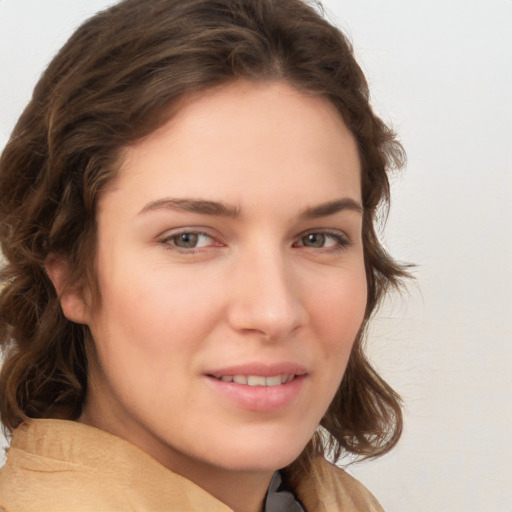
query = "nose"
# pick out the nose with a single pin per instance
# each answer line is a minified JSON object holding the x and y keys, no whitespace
{"x":266,"y":297}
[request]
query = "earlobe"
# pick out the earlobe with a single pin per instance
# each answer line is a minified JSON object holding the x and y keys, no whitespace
{"x":72,"y":296}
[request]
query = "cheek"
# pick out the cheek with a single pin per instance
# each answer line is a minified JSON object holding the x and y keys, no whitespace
{"x":339,"y":305}
{"x":337,"y":312}
{"x":153,"y":310}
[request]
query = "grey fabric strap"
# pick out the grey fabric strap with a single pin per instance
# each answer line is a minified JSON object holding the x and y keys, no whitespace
{"x":280,"y":499}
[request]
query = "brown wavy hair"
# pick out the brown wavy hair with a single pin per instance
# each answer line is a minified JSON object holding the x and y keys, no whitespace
{"x":114,"y":82}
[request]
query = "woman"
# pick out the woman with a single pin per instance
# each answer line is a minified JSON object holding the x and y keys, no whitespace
{"x":187,"y":215}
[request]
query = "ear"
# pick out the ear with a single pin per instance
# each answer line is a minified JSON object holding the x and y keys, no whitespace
{"x":72,"y":296}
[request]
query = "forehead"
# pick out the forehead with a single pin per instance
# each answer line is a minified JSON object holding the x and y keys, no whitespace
{"x":246,"y":140}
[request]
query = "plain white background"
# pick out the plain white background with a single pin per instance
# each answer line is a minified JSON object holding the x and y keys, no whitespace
{"x":441,"y":72}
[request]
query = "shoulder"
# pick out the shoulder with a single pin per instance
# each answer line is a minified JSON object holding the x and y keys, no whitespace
{"x":328,"y":487}
{"x":62,"y":466}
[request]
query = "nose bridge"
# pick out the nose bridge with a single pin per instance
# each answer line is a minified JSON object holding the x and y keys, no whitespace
{"x":266,"y":298}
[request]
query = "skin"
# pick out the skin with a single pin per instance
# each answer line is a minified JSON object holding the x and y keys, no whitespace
{"x":273,"y":280}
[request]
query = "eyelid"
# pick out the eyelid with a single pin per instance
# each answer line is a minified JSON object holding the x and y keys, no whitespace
{"x":170,"y":234}
{"x":340,"y":236}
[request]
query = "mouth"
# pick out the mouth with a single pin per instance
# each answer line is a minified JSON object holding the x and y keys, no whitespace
{"x":254,"y":392}
{"x":262,"y":387}
{"x":259,"y":380}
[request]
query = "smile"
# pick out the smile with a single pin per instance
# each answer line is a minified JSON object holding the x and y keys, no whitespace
{"x":265,"y":393}
{"x":258,"y":380}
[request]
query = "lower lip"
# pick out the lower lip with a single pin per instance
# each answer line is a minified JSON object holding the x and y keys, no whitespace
{"x":259,"y":398}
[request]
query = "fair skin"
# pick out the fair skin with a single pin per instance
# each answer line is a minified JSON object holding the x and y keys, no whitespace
{"x":230,"y":265}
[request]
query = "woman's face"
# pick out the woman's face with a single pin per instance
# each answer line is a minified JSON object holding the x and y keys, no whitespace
{"x":231,"y":272}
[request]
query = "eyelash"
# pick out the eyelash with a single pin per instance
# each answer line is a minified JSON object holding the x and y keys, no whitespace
{"x":167,"y":242}
{"x":342,"y":241}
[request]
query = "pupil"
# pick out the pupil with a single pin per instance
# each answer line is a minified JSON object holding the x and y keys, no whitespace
{"x":187,"y":240}
{"x":315,"y":240}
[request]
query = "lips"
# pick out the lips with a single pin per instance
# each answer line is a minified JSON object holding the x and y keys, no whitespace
{"x":259,"y":369}
{"x":258,"y":380}
{"x":259,"y":387}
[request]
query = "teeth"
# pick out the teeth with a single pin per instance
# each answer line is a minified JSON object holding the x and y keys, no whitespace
{"x":258,"y":380}
{"x":273,"y":381}
{"x":254,"y":380}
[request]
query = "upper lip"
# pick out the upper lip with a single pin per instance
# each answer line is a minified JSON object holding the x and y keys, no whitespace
{"x":260,"y":369}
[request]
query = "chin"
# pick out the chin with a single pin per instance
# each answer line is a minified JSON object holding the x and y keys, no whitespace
{"x":263,"y":456}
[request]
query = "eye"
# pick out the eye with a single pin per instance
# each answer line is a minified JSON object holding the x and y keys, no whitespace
{"x":323,"y":240}
{"x":189,"y":240}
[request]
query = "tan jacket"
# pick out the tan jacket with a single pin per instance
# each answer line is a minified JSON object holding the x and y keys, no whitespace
{"x":64,"y":466}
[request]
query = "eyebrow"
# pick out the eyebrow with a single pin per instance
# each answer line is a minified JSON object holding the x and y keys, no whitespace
{"x":201,"y":206}
{"x":220,"y":209}
{"x":332,"y":207}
